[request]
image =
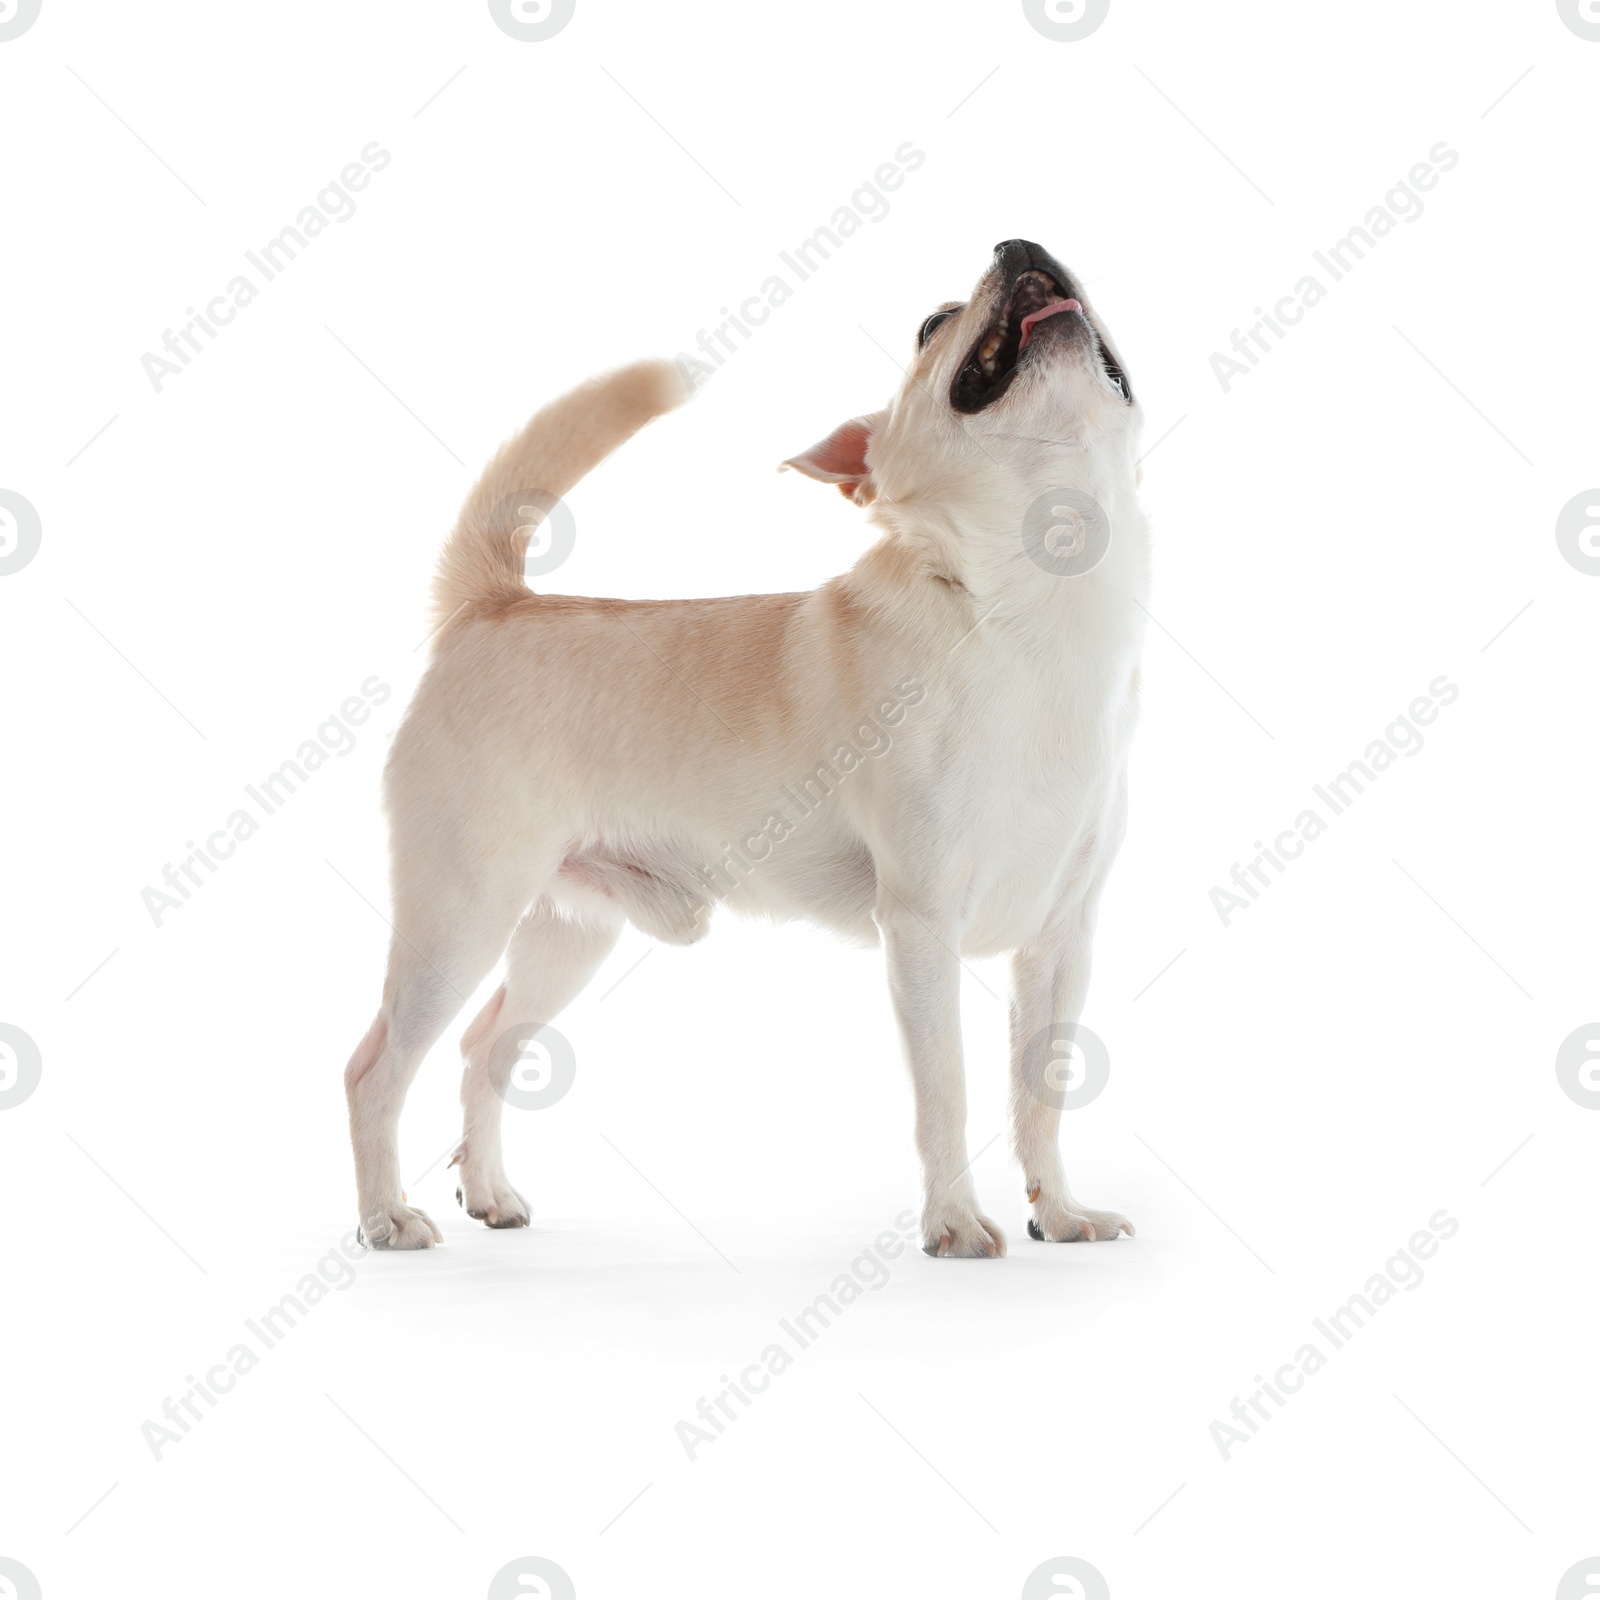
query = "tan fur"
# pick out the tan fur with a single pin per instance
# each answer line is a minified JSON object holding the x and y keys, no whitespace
{"x":481,"y":566}
{"x":926,"y":753}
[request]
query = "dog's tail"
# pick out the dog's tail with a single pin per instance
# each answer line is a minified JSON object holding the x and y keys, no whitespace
{"x":481,"y":567}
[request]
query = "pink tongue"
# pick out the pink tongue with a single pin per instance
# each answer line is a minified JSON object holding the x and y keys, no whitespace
{"x":1039,"y":316}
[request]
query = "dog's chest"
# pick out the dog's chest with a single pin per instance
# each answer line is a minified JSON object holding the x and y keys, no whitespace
{"x":1044,"y":770}
{"x":1039,"y":801}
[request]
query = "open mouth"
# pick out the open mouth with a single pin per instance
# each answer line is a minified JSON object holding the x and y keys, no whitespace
{"x":992,"y":362}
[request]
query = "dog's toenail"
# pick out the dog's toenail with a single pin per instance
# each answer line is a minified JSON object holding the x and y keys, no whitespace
{"x":1035,"y":1231}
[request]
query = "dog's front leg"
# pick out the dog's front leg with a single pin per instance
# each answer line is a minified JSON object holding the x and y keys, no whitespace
{"x":1050,"y":981}
{"x":924,"y":980}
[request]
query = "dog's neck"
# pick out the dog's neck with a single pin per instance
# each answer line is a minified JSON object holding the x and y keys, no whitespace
{"x":977,"y":546}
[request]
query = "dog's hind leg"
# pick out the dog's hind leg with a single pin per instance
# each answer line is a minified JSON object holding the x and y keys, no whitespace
{"x":448,"y":936}
{"x":552,"y":957}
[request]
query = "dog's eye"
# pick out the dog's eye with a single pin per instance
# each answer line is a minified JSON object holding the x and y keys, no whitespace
{"x":931,"y":325}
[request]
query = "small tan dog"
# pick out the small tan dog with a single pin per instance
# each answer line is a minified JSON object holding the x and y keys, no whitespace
{"x":929,"y":751}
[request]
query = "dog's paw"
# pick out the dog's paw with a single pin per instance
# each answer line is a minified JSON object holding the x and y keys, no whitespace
{"x":493,"y":1202}
{"x":1063,"y":1222}
{"x":399,"y":1227}
{"x":960,"y":1231}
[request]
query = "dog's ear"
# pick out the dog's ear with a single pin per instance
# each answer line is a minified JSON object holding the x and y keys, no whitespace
{"x":841,"y":458}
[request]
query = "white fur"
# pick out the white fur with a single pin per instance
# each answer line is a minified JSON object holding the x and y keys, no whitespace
{"x":569,"y":764}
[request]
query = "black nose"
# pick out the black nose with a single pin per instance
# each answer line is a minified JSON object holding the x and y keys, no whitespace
{"x":1018,"y":252}
{"x":1013,"y":257}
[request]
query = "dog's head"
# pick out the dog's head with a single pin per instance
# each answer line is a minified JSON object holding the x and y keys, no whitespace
{"x":1015,"y":390}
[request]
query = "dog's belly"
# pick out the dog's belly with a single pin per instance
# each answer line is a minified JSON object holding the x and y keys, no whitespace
{"x":1028,"y":848}
{"x":671,"y":894}
{"x":670,"y":889}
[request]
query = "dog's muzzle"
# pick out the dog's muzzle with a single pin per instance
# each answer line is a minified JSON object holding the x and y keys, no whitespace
{"x":1033,"y":291}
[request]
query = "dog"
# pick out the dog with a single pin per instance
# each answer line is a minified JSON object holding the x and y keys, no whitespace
{"x":569,"y":765}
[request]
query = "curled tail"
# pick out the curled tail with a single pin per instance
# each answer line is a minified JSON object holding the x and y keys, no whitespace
{"x":481,"y":565}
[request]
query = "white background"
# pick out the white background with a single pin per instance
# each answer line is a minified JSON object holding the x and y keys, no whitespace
{"x":1290,"y":1099}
